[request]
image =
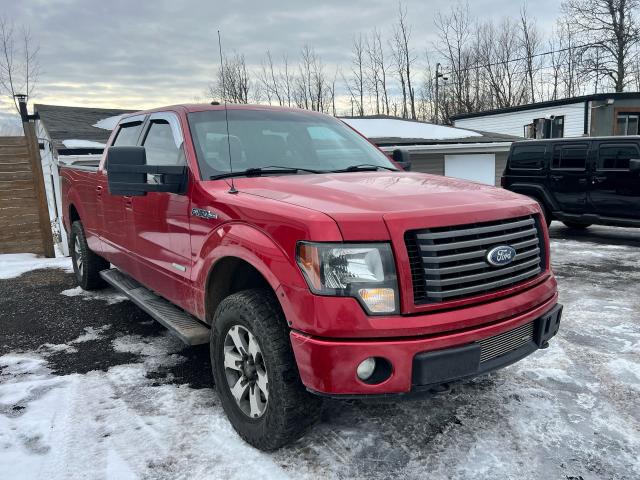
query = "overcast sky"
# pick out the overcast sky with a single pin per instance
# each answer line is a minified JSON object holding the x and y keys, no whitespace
{"x":138,"y":54}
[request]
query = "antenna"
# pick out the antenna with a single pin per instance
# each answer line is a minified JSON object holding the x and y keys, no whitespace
{"x":226,"y":113}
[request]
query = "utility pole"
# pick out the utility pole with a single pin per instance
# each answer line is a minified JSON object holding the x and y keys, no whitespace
{"x":439,"y":75}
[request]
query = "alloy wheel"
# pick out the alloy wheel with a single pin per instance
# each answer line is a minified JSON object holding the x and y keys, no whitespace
{"x":245,"y":371}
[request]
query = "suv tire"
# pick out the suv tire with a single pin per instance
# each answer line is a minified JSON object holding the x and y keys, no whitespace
{"x":86,"y":264}
{"x":251,"y":351}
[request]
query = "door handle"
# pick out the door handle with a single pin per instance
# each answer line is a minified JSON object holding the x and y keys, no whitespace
{"x":582,"y":181}
{"x":597,"y":179}
{"x":128,"y":201}
{"x":556,"y":177}
{"x":99,"y":191}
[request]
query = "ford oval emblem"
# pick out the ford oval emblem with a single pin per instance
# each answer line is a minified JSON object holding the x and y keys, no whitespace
{"x":501,"y":255}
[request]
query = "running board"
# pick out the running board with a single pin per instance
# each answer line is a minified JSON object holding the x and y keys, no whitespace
{"x":187,"y":328}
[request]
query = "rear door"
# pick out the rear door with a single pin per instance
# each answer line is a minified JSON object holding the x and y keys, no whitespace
{"x":568,"y":176}
{"x":159,"y":221}
{"x":615,"y":190}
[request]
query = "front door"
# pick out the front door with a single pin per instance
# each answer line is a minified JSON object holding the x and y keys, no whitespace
{"x":615,"y":189}
{"x":159,"y":221}
{"x":116,"y":245}
{"x":568,"y":177}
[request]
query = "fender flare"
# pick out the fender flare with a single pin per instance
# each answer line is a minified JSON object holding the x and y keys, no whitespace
{"x":253,"y":246}
{"x":537,"y":191}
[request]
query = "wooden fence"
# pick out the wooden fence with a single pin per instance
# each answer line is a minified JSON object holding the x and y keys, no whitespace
{"x":24,"y":217}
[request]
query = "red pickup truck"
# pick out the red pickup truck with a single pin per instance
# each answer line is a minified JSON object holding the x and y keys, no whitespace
{"x":309,"y":261}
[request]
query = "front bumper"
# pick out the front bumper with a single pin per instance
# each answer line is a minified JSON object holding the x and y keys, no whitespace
{"x":328,"y":367}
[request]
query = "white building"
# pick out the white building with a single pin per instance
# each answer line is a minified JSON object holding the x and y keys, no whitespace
{"x":589,"y":115}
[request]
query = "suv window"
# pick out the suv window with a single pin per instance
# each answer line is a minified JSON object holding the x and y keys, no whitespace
{"x":160,"y":145}
{"x":570,"y":157}
{"x":527,"y":157}
{"x":616,"y":157}
{"x":128,"y":135}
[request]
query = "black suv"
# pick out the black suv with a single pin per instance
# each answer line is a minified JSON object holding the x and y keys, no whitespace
{"x":580,"y":181}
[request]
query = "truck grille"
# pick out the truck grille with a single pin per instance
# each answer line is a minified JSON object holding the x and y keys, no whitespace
{"x":449,"y":263}
{"x":506,"y":342}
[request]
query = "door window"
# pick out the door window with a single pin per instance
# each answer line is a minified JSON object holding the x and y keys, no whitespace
{"x":161,"y":146}
{"x":570,"y":157}
{"x":616,"y":157}
{"x":527,"y":157}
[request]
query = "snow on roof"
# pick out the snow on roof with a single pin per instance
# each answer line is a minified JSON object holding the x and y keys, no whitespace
{"x":108,"y":123}
{"x":392,"y":128}
{"x":73,"y":143}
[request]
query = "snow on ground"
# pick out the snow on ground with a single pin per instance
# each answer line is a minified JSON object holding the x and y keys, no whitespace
{"x":570,"y":411}
{"x":15,"y":264}
{"x":109,"y":123}
{"x":74,"y":143}
{"x":109,"y":295}
{"x":391,"y":128}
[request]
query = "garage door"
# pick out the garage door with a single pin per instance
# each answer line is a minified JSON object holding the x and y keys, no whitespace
{"x":478,"y":167}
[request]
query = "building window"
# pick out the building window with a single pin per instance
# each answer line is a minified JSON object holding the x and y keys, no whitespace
{"x":627,"y":124}
{"x":552,"y":127}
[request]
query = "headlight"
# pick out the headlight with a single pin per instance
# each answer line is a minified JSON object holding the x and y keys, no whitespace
{"x":364,"y":271}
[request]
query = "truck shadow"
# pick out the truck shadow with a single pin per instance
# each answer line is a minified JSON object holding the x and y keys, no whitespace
{"x":628,"y":237}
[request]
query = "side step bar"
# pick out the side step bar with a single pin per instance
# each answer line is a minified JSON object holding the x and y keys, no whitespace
{"x":184,"y":326}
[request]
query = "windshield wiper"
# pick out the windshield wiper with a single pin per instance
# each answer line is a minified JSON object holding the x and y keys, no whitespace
{"x":257,"y":171}
{"x":364,"y":167}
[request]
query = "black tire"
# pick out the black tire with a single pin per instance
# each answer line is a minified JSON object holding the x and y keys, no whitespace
{"x":577,"y":226}
{"x":290,"y":409}
{"x":86,"y":264}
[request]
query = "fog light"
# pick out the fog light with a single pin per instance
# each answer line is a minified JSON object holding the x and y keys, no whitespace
{"x":366,"y":368}
{"x":379,"y":300}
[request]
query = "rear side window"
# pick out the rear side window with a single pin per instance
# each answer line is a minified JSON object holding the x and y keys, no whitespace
{"x":616,"y":157}
{"x":128,"y":135}
{"x":527,"y":157}
{"x":570,"y":157}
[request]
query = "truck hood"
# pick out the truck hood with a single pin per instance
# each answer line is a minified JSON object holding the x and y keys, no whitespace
{"x":366,"y":199}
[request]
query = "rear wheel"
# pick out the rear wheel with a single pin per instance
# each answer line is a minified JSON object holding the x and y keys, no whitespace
{"x":577,"y":226}
{"x":255,"y":372}
{"x":86,"y":264}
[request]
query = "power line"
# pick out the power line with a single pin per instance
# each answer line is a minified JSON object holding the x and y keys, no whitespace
{"x":504,"y":62}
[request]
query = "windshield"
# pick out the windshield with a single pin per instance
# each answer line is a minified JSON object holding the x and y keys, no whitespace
{"x":264,"y":138}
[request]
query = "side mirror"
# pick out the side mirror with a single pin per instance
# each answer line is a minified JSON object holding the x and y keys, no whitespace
{"x":634,"y":165}
{"x":402,"y":158}
{"x":127,"y":172}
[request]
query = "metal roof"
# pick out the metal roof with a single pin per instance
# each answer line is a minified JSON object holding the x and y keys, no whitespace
{"x":67,"y":123}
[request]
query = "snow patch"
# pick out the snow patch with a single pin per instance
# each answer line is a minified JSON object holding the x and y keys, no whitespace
{"x":15,"y":264}
{"x":74,"y":143}
{"x":109,"y":123}
{"x":91,"y":334}
{"x":391,"y":128}
{"x":119,"y":424}
{"x":50,"y":348}
{"x":109,"y":295}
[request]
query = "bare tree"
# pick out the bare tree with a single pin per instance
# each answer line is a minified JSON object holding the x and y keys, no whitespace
{"x":356,"y":83}
{"x":19,"y":64}
{"x":530,"y":39}
{"x":378,"y":71}
{"x":455,"y":45}
{"x":232,"y":83}
{"x":611,"y":26}
{"x":402,"y":36}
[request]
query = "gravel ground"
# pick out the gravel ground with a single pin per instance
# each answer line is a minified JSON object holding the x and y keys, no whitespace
{"x":91,"y":387}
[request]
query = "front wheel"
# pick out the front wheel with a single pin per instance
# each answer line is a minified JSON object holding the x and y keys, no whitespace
{"x":255,"y":371}
{"x":86,"y":264}
{"x":577,"y":226}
